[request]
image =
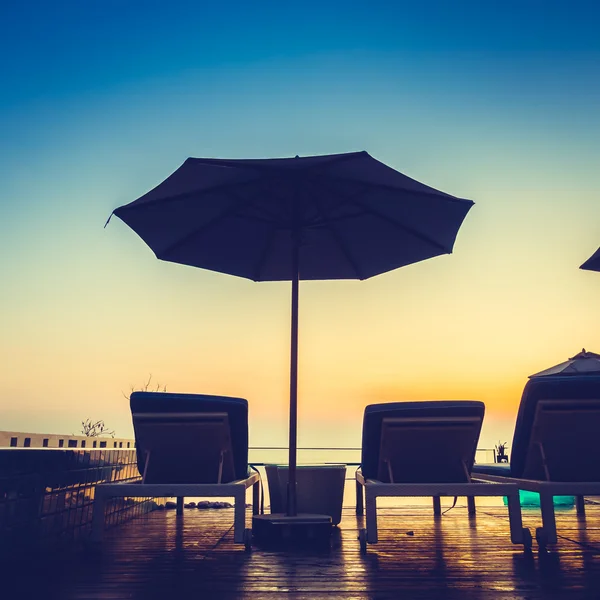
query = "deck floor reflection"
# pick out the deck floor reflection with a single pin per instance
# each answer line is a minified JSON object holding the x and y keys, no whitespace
{"x":165,"y":556}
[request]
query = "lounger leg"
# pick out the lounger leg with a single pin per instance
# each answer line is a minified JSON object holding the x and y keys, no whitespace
{"x":548,"y":517}
{"x":437,"y":506}
{"x":359,"y":499}
{"x":98,"y":516}
{"x":371,"y":506}
{"x":515,"y":518}
{"x":471,"y":505}
{"x":179,"y":510}
{"x":239,"y":517}
{"x":256,"y":498}
{"x":580,"y":506}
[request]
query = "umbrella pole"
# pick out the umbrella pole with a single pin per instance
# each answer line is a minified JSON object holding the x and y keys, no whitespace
{"x":293,"y":441}
{"x":291,"y":528}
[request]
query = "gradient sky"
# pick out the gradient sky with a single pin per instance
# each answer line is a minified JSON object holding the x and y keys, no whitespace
{"x":100,"y":101}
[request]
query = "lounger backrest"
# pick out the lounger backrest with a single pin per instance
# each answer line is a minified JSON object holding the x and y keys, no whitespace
{"x":185,"y":447}
{"x":190,"y":438}
{"x":421,"y":442}
{"x":428,"y":449}
{"x":578,"y":431}
{"x":563,"y":443}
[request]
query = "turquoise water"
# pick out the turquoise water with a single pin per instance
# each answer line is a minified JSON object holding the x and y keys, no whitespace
{"x":533,"y":499}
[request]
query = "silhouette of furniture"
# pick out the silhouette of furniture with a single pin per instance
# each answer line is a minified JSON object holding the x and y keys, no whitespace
{"x":320,"y":489}
{"x":188,"y":445}
{"x":555,"y":447}
{"x":425,"y":449}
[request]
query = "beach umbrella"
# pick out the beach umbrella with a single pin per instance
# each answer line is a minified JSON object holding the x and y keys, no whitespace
{"x":580,"y":364}
{"x":593,"y":262}
{"x":344,"y":216}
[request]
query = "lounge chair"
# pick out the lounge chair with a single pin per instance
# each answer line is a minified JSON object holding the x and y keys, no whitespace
{"x":555,"y":447}
{"x":187,"y":445}
{"x":425,"y":449}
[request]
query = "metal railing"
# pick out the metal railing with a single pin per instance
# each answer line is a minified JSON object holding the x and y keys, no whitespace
{"x":47,"y":495}
{"x":482,"y":455}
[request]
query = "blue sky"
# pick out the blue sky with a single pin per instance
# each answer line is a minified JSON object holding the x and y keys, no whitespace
{"x":56,"y":49}
{"x":100,"y":101}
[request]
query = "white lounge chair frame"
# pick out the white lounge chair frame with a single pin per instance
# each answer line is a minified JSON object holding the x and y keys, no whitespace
{"x":555,"y":418}
{"x":212,"y":427}
{"x":368,"y":490}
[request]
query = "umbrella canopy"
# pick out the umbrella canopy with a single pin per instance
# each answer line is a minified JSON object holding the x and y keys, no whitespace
{"x":353,"y":217}
{"x":592,"y":263}
{"x":580,"y":364}
{"x":344,"y":216}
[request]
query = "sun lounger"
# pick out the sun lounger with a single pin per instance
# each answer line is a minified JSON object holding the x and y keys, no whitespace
{"x":554,"y":449}
{"x":187,"y":445}
{"x":425,"y":449}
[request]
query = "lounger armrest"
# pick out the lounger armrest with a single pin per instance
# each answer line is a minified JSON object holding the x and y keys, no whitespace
{"x":250,"y":480}
{"x":360,"y":478}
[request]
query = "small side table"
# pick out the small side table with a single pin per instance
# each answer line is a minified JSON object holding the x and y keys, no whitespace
{"x":319,"y":489}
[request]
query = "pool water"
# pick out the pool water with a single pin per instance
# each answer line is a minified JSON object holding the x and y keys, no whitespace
{"x":533,"y":499}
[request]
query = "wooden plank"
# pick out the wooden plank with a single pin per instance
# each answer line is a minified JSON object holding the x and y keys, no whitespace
{"x":418,"y":556}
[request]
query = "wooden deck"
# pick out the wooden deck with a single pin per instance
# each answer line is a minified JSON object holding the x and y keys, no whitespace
{"x":165,"y":556}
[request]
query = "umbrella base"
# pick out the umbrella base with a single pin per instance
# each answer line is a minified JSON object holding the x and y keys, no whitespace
{"x":301,"y":530}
